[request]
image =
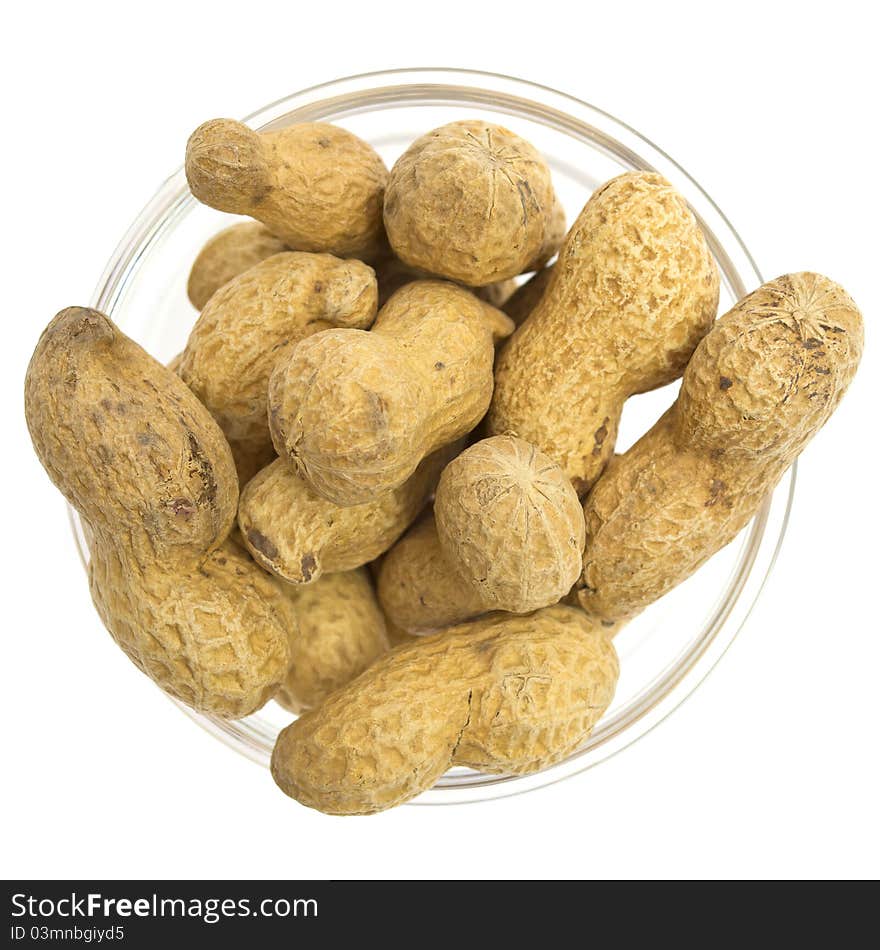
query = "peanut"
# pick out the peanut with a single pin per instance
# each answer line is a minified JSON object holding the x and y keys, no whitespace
{"x":501,"y":695}
{"x":299,"y":535}
{"x":148,"y":469}
{"x":634,"y":290}
{"x":474,"y":203}
{"x":759,"y":386}
{"x":315,"y":186}
{"x":357,"y":412}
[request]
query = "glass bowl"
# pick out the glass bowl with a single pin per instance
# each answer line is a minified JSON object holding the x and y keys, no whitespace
{"x":668,"y":650}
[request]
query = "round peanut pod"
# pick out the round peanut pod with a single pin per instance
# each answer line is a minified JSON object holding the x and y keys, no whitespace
{"x":254,"y":321}
{"x":298,"y":535}
{"x":509,"y":520}
{"x":148,"y":469}
{"x":340,"y":632}
{"x":315,"y":186}
{"x":633,"y":292}
{"x":759,"y":386}
{"x":474,"y":203}
{"x":227,"y":254}
{"x":357,"y":412}
{"x":500,"y":695}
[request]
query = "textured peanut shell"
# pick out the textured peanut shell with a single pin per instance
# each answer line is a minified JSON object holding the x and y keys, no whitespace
{"x":340,"y":632}
{"x":356,"y":412}
{"x":501,"y":695}
{"x":315,"y":186}
{"x":297,"y":534}
{"x":255,"y":320}
{"x":511,"y":524}
{"x":148,"y":469}
{"x":213,"y":634}
{"x":634,"y":290}
{"x":227,"y":254}
{"x":472,"y":202}
{"x":760,"y":385}
{"x":525,"y":298}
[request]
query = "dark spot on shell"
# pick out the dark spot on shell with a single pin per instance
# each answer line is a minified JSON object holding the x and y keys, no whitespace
{"x":717,"y":487}
{"x":378,"y":409}
{"x":105,"y":454}
{"x":823,"y":370}
{"x":106,"y":404}
{"x":422,"y":601}
{"x":319,"y":287}
{"x":146,"y":438}
{"x":599,"y":436}
{"x":812,"y":343}
{"x":607,"y":623}
{"x":221,"y":561}
{"x":183,"y":506}
{"x":716,"y":454}
{"x":725,"y":383}
{"x":439,"y":365}
{"x":307,"y":566}
{"x":324,"y":143}
{"x":259,"y":542}
{"x":204,"y":469}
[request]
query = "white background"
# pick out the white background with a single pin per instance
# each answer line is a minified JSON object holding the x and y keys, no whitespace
{"x":771,"y":768}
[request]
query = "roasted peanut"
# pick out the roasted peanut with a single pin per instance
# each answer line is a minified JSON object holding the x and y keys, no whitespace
{"x":357,"y":412}
{"x":315,"y":186}
{"x":503,"y":694}
{"x":257,"y":319}
{"x":760,"y":385}
{"x":474,"y":203}
{"x":148,"y":469}
{"x":634,"y":290}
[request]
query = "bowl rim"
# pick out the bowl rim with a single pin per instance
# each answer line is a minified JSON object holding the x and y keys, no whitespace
{"x":594,"y":125}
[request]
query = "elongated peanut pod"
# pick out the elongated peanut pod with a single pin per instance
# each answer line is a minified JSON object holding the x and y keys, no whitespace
{"x":760,"y":385}
{"x":634,"y":290}
{"x":315,"y":186}
{"x":357,"y":412}
{"x":148,"y":469}
{"x":503,"y":694}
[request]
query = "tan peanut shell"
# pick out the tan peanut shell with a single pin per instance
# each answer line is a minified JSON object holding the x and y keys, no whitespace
{"x":474,"y":203}
{"x":356,"y":412}
{"x":759,"y":386}
{"x":511,"y":524}
{"x":525,"y":298}
{"x":499,"y":554}
{"x":297,"y":534}
{"x":148,"y":469}
{"x":227,"y":254}
{"x":500,"y":695}
{"x":634,"y":290}
{"x":255,"y":320}
{"x":419,"y":588}
{"x":340,"y":632}
{"x":315,"y":186}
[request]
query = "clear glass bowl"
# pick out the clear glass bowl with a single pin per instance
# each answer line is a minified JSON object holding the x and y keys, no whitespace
{"x":668,"y":650}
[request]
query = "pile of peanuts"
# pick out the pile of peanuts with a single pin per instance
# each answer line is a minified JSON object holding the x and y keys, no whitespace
{"x":379,"y":487}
